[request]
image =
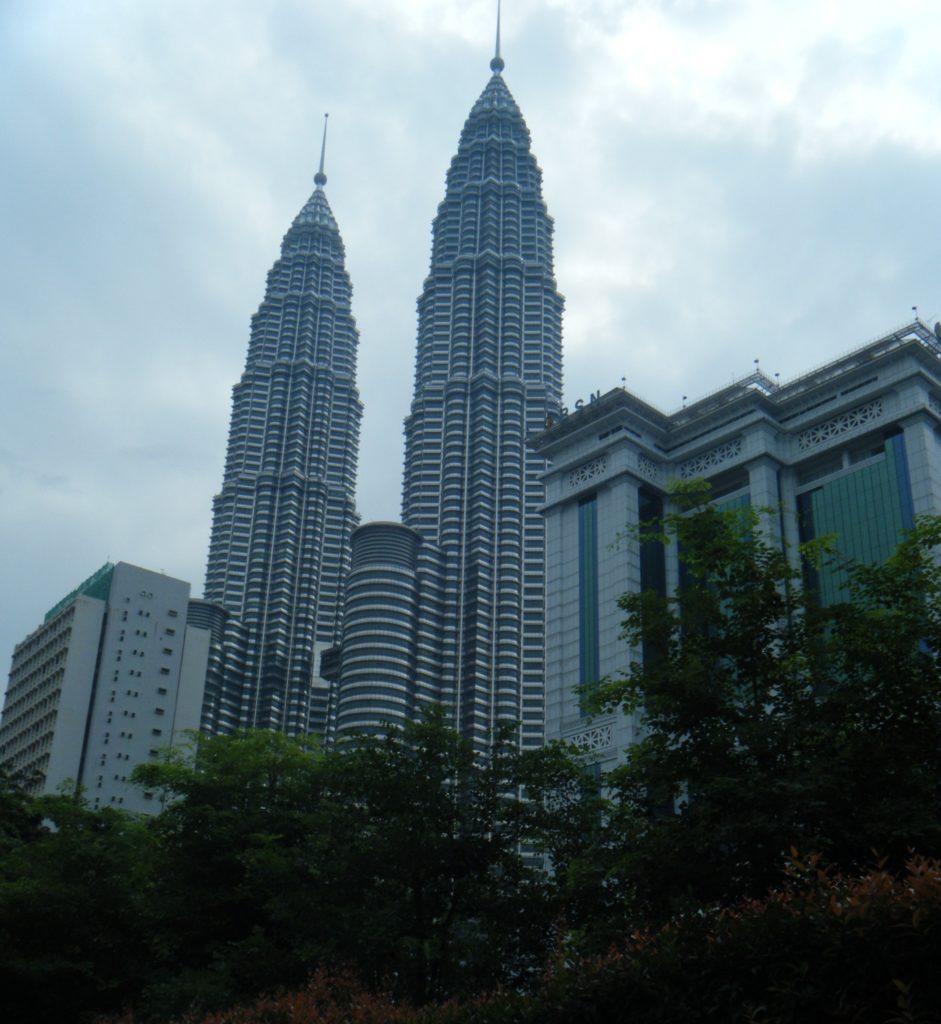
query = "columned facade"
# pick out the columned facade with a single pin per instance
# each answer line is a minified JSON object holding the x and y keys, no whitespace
{"x":851,"y":450}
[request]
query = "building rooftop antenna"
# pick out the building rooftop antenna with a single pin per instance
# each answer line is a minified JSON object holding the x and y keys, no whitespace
{"x":497,"y":64}
{"x":320,"y":179}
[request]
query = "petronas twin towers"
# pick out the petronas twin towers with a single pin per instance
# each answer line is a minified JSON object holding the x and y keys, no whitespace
{"x":333,"y":628}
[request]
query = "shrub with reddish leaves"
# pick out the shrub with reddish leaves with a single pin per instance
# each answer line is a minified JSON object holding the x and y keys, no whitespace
{"x":823,"y":947}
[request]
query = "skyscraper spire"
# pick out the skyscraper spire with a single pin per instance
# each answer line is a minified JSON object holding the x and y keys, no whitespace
{"x":448,"y":607}
{"x":497,"y":64}
{"x":282,"y":522}
{"x":320,"y":179}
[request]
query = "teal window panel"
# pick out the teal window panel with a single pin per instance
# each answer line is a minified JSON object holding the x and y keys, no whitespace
{"x":866,"y":510}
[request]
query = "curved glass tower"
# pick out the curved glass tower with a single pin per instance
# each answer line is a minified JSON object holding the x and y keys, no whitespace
{"x":280,"y":545}
{"x":488,"y":372}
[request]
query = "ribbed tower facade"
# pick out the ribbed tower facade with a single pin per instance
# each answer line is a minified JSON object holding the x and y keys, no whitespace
{"x":280,"y":546}
{"x":488,"y":372}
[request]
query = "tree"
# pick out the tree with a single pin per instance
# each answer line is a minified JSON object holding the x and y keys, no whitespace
{"x":20,"y":819}
{"x":570,"y":819}
{"x":238,"y":870}
{"x":772,"y":722}
{"x":442,"y":901}
{"x":74,"y":892}
{"x":395,"y":856}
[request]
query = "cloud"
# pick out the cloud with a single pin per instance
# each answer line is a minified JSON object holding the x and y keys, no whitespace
{"x":730,"y":180}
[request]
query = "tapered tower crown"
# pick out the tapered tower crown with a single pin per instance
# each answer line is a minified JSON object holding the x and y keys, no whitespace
{"x":280,"y":547}
{"x":449,"y":607}
{"x":488,"y":372}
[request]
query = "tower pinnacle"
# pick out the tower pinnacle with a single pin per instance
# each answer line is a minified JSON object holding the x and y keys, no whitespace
{"x":497,"y":64}
{"x":279,"y":570}
{"x":320,"y":179}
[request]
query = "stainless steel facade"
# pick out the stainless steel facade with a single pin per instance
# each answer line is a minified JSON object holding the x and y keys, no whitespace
{"x":488,"y":373}
{"x":280,"y":547}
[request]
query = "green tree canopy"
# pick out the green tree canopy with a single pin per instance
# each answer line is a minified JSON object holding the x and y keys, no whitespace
{"x":396,"y":856}
{"x":75,"y":888}
{"x":773,"y":722}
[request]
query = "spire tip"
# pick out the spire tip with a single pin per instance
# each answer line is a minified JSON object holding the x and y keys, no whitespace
{"x":497,"y":64}
{"x":320,"y":179}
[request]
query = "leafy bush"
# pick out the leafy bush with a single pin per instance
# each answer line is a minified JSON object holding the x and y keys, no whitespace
{"x":822,"y":947}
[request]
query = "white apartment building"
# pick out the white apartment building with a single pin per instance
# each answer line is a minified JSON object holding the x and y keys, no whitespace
{"x":111,"y":678}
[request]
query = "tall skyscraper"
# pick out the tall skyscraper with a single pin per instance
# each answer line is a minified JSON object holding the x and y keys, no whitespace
{"x":461,"y":583}
{"x":279,"y":551}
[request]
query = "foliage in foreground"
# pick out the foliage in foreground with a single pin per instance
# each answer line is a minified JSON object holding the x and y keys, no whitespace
{"x":771,"y":722}
{"x":821,"y":947}
{"x":397,"y":859}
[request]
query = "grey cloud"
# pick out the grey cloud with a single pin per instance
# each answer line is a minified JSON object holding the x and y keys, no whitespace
{"x":156,"y":155}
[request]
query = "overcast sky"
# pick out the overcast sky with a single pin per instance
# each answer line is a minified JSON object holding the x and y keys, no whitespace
{"x":730,"y":180}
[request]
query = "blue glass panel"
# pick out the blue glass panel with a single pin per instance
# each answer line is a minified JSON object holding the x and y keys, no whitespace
{"x":588,"y":660}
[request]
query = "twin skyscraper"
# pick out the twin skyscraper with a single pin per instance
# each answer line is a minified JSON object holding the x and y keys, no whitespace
{"x":325,"y":626}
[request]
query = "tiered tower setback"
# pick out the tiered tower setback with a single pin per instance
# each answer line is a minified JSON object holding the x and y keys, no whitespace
{"x":488,"y":372}
{"x":279,"y":551}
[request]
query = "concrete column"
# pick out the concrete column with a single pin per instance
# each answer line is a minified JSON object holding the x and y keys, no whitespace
{"x":923,"y":448}
{"x":787,"y":483}
{"x":765,"y":496}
